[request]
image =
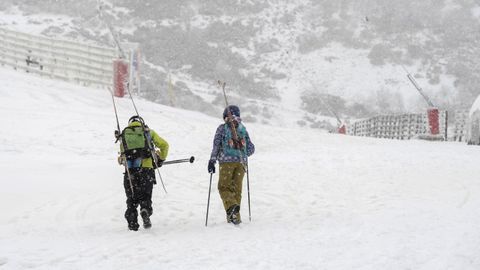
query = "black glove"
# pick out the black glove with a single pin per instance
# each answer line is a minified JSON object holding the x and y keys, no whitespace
{"x":211,"y":166}
{"x":158,"y":164}
{"x":117,"y":135}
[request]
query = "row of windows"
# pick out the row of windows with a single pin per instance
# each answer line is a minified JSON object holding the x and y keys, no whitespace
{"x":391,"y":123}
{"x":405,"y":137}
{"x":394,"y":127}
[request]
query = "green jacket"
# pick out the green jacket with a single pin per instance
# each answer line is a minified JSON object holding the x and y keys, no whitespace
{"x":159,"y":143}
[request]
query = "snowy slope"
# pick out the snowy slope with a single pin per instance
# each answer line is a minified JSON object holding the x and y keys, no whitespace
{"x":319,"y":201}
{"x":333,"y":68}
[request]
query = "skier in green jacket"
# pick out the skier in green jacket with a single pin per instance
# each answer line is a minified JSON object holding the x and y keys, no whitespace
{"x":139,"y":175}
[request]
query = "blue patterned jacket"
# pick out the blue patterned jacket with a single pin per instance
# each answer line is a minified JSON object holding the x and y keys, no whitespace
{"x":218,"y":153}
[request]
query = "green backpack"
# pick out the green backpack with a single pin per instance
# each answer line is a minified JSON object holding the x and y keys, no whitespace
{"x":135,"y":143}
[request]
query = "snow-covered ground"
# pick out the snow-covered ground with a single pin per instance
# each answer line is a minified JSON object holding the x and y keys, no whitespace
{"x":319,"y":201}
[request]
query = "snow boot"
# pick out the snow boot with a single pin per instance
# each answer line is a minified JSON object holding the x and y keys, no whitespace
{"x":146,"y":219}
{"x":133,"y":226}
{"x":233,"y":214}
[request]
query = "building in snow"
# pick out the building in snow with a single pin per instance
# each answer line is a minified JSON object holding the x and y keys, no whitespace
{"x":459,"y":131}
{"x":400,"y":127}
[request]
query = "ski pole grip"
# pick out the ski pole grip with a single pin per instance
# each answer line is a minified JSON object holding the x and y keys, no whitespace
{"x":117,"y":136}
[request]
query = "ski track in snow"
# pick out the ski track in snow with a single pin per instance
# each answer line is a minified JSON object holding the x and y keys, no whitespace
{"x":319,"y":201}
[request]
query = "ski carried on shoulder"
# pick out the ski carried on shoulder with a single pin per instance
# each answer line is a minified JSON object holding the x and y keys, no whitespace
{"x":119,"y":138}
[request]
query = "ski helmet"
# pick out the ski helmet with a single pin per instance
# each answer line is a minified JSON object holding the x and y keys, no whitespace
{"x":135,"y":118}
{"x":234,"y":110}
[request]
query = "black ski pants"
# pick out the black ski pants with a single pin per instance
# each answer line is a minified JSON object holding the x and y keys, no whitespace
{"x":142,"y":184}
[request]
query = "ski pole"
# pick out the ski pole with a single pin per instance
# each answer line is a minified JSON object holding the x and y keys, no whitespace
{"x":150,"y":146}
{"x":191,"y":160}
{"x":208,"y":201}
{"x":248,"y":191}
{"x":161,"y":181}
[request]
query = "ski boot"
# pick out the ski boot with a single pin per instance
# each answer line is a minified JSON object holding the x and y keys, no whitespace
{"x":146,"y":219}
{"x":133,"y":226}
{"x":233,"y":215}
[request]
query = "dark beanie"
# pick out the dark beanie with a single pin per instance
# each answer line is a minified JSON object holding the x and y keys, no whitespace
{"x":233,"y":109}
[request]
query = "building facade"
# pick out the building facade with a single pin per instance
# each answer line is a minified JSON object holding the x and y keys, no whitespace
{"x":460,"y":126}
{"x":400,"y":127}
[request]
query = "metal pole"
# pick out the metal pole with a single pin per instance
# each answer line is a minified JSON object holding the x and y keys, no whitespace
{"x":248,"y":191}
{"x":161,"y":180}
{"x":190,"y":160}
{"x":208,"y":201}
{"x":110,"y":29}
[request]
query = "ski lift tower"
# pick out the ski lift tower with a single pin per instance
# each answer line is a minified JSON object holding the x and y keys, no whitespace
{"x":126,"y":66}
{"x":133,"y":59}
{"x":341,"y":128}
{"x":432,"y":111}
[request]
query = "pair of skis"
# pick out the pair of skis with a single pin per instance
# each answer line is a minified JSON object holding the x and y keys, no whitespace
{"x":150,"y":146}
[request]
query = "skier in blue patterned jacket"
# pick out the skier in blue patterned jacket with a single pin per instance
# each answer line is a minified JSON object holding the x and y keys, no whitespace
{"x":232,"y":155}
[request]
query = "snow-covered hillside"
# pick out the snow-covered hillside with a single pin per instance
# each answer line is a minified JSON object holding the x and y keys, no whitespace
{"x":319,"y":201}
{"x":352,"y":54}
